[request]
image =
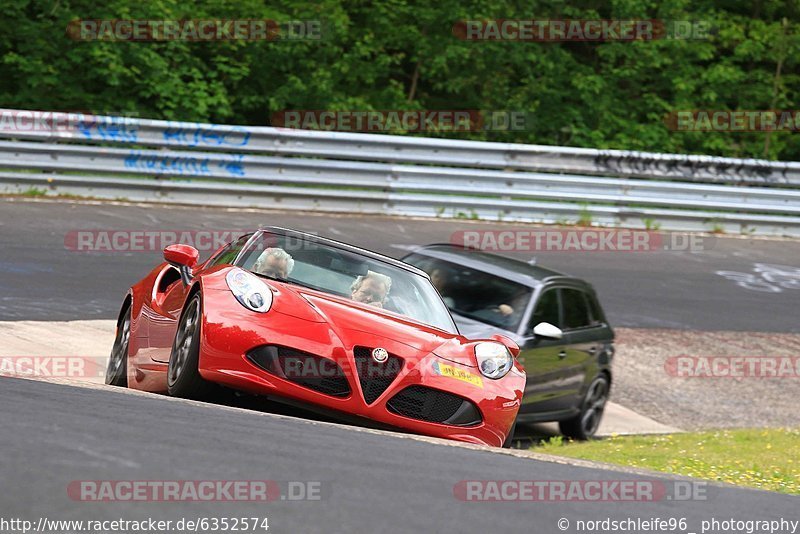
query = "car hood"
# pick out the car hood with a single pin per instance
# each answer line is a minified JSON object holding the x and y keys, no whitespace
{"x":352,"y":321}
{"x":359,"y":324}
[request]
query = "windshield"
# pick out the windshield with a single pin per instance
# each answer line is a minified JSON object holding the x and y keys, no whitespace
{"x":476,"y":294}
{"x":340,"y":272}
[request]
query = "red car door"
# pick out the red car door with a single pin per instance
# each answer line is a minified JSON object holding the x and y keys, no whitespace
{"x":166,"y":307}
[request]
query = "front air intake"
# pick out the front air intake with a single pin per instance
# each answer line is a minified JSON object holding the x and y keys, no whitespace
{"x":302,"y":368}
{"x":434,"y":406}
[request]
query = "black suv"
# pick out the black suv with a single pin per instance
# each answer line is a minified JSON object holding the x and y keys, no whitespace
{"x":566,"y":343}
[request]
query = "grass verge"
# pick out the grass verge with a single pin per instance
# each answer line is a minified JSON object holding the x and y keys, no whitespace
{"x":760,"y":458}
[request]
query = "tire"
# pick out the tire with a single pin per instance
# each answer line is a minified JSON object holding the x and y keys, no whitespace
{"x":583,"y":426}
{"x":183,"y":376}
{"x":510,"y":438}
{"x":117,"y":370}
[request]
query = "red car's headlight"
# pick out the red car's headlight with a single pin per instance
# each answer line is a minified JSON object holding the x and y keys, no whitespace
{"x":494,"y":359}
{"x":249,"y":290}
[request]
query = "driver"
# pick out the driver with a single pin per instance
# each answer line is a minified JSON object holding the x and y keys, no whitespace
{"x":274,"y":262}
{"x":372,"y":288}
{"x":440,"y":278}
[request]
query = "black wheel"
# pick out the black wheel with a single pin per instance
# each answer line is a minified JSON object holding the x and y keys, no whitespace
{"x":183,"y":377}
{"x":510,"y":438}
{"x":584,"y":425}
{"x":117,"y":370}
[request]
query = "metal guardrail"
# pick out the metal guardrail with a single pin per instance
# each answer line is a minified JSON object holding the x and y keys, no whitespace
{"x":149,"y":160}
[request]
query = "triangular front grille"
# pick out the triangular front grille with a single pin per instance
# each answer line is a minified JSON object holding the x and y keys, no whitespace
{"x":373,"y":376}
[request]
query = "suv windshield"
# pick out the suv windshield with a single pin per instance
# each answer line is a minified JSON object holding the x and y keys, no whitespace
{"x":477,"y":294}
{"x":338,"y":271}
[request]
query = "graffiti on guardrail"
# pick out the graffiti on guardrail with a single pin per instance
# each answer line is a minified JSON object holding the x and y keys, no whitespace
{"x":184,"y":165}
{"x":457,"y":171}
{"x":234,"y":165}
{"x":638,"y":163}
{"x":122,"y":131}
{"x":766,"y":277}
{"x":120,"y":128}
{"x":235,"y":136}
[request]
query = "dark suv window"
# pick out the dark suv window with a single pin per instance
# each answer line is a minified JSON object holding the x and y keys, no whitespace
{"x":229,"y":253}
{"x":576,"y":310}
{"x":597,"y":313}
{"x":546,"y":310}
{"x":476,"y":294}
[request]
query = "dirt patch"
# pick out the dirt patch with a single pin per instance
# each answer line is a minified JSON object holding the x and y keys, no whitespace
{"x":650,"y":378}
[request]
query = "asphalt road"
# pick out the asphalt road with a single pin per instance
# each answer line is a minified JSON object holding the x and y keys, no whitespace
{"x":43,"y":280}
{"x":54,"y":434}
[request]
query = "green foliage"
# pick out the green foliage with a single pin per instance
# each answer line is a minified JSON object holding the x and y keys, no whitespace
{"x":584,"y":216}
{"x":651,"y":224}
{"x":717,"y":227}
{"x":34,"y":192}
{"x":764,"y":458}
{"x":402,"y":54}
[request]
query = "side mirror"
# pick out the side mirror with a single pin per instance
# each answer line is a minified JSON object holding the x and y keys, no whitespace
{"x":510,"y":344}
{"x":547,"y":330}
{"x":184,"y":258}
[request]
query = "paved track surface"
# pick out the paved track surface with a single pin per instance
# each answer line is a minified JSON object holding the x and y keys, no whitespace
{"x":54,"y":434}
{"x":42,"y":280}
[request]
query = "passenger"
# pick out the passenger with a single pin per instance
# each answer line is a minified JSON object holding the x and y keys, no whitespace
{"x":275,"y":263}
{"x":372,"y":288}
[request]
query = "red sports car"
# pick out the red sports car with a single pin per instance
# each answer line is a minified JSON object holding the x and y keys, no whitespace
{"x":311,"y":321}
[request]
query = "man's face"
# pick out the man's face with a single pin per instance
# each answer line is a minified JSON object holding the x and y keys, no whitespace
{"x":275,"y":267}
{"x":371,"y":291}
{"x":438,"y":279}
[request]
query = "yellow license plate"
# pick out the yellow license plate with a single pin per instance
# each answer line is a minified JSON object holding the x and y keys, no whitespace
{"x":459,"y":374}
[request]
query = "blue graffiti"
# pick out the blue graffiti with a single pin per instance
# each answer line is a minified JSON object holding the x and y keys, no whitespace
{"x":167,"y":164}
{"x":234,"y":165}
{"x":113,"y":129}
{"x":235,"y":136}
{"x":183,"y":165}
